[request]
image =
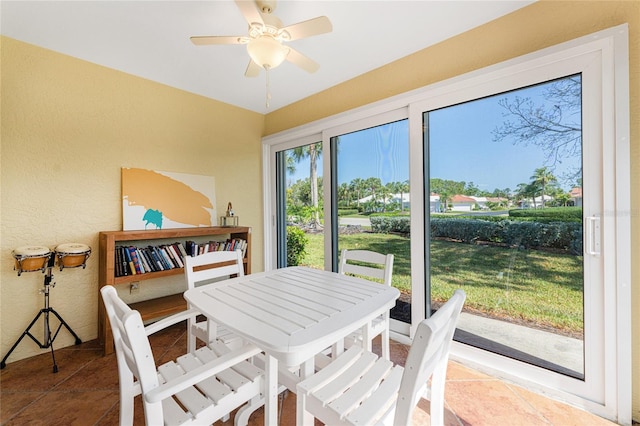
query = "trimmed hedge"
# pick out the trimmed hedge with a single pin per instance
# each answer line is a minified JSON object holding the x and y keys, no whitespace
{"x":560,"y":214}
{"x":296,"y":245}
{"x":524,"y":234}
{"x":387,"y":224}
{"x":347,"y":212}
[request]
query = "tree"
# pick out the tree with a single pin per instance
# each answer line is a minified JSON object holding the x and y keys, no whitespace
{"x":562,"y":198}
{"x":344,"y":194}
{"x":542,"y":177}
{"x":400,"y":188}
{"x":446,"y":189}
{"x":357,"y":186}
{"x":385,"y":192}
{"x":471,"y":189}
{"x":311,"y":151}
{"x":373,"y":184}
{"x":527,"y":190}
{"x":555,"y":126}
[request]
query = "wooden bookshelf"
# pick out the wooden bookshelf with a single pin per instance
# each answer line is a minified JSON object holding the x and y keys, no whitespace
{"x":162,"y":306}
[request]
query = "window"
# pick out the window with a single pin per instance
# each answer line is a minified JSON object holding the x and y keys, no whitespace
{"x":602,"y":384}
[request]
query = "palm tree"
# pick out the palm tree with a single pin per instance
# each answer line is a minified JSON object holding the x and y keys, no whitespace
{"x":542,"y":177}
{"x":373,"y":184}
{"x":524,"y":191}
{"x":312,"y":151}
{"x":385,"y":191}
{"x":403,"y":188}
{"x":357,"y":186}
{"x":344,"y":193}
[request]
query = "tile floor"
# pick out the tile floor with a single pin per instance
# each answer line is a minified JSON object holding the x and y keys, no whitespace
{"x":85,"y":392}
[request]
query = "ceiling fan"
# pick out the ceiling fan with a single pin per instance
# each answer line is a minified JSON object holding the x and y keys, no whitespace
{"x":266,"y":37}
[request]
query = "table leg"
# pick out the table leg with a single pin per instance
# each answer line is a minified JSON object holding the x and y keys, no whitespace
{"x":271,"y":394}
{"x":306,"y":370}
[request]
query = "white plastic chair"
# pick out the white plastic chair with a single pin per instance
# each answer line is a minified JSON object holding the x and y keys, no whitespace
{"x":359,"y":388}
{"x":380,"y":325}
{"x":206,"y":268}
{"x":198,"y":388}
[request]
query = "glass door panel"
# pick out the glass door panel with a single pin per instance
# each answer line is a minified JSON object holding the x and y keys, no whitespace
{"x":372,"y":193}
{"x":505,"y":221}
{"x":299,"y":206}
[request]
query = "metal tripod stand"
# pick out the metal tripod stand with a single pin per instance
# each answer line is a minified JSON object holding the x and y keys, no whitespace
{"x":49,"y":337}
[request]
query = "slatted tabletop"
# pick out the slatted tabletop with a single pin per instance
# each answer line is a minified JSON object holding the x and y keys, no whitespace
{"x":293,"y":313}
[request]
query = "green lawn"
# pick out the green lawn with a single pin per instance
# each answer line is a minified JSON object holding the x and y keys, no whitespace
{"x":536,"y":287}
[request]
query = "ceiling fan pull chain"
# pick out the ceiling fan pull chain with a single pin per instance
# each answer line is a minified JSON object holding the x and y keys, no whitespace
{"x":266,"y":69}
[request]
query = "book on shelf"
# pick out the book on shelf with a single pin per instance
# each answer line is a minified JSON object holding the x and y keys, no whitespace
{"x":118,"y":262}
{"x":156,"y":258}
{"x":177,"y":260}
{"x":149,"y":264}
{"x":132,"y":260}
{"x":127,"y":255}
{"x":135,"y":260}
{"x":143,"y":259}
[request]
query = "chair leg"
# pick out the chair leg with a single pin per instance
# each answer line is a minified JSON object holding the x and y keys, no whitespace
{"x":242,"y":415}
{"x":337,"y":349}
{"x":367,"y":337}
{"x":127,"y":395}
{"x":300,"y":409}
{"x":437,"y":394}
{"x":191,"y":338}
{"x":386,"y":352}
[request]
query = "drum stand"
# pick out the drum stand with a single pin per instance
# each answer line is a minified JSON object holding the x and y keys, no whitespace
{"x":48,"y":336}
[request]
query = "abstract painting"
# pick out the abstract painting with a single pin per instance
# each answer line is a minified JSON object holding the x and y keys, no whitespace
{"x":165,"y":200}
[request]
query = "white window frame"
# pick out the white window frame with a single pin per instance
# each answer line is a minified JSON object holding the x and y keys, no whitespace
{"x":612,"y":47}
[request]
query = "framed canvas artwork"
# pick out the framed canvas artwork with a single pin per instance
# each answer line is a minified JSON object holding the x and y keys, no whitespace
{"x":163,"y":200}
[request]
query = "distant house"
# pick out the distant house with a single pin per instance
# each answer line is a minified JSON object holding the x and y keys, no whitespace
{"x":481,"y":202}
{"x":537,"y":204}
{"x":462,"y":203}
{"x":499,"y":201}
{"x":576,"y":196}
{"x":434,"y":204}
{"x":392,"y":198}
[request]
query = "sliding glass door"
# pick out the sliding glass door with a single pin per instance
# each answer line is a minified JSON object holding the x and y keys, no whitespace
{"x":506,"y":224}
{"x":371,"y":200}
{"x":510,"y":183}
{"x":513,"y":203}
{"x":300,"y":221}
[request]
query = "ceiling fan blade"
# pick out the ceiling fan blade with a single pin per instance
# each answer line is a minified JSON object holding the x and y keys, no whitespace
{"x":204,"y":40}
{"x":250,"y":11}
{"x":302,"y":61}
{"x":253,"y":69}
{"x":315,"y":26}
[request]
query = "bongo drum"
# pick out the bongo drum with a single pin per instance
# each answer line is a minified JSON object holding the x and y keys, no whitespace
{"x":72,"y":255}
{"x":30,"y":258}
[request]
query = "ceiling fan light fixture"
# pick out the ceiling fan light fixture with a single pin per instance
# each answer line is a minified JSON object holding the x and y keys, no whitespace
{"x":267,"y":52}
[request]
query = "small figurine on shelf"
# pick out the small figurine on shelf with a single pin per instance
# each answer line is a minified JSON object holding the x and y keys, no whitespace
{"x":229,"y":219}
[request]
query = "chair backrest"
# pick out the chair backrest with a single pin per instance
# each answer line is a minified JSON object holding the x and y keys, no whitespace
{"x":429,"y":354}
{"x":368,"y":257}
{"x":133,"y":350}
{"x":209,"y":266}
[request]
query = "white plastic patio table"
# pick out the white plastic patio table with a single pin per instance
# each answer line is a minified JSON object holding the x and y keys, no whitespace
{"x":292,"y":314}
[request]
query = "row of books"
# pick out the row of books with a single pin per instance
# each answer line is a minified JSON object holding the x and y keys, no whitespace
{"x":132,"y":260}
{"x":194,"y":249}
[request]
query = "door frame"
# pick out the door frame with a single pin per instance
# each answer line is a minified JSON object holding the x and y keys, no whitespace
{"x":611,"y":46}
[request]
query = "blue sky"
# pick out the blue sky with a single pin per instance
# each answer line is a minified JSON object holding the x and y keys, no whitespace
{"x":461,"y":149}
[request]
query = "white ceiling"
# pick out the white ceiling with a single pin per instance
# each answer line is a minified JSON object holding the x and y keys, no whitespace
{"x":150,"y":39}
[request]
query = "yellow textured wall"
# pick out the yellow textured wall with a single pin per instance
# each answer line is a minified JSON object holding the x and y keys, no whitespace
{"x":67,"y":128}
{"x":531,"y":28}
